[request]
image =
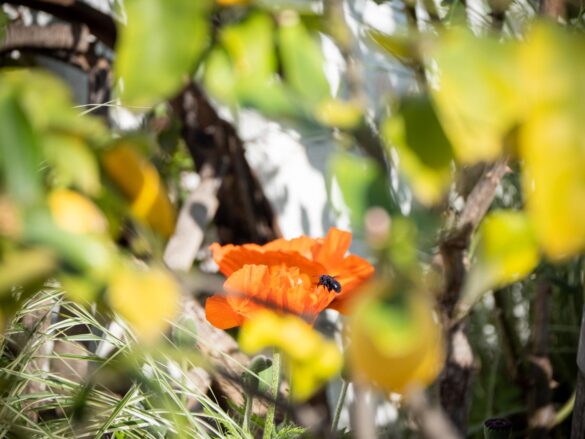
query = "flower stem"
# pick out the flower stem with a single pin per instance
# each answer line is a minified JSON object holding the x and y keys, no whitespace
{"x":339,"y":406}
{"x":269,"y":423}
{"x":247,"y":413}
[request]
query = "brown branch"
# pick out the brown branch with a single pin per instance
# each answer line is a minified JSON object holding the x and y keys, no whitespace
{"x":431,"y":420}
{"x":578,"y":422}
{"x":541,"y":412}
{"x":52,"y":37}
{"x":481,"y":197}
{"x":555,"y":9}
{"x":508,"y":334}
{"x":244,"y":213}
{"x":101,"y":25}
{"x":455,"y":380}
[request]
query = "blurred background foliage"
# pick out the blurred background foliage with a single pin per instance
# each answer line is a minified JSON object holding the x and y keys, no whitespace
{"x":464,"y":182}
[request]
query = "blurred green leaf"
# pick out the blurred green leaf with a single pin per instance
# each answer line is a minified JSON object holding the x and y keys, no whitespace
{"x":80,"y":288}
{"x":219,"y":76}
{"x":337,"y":113}
{"x":159,"y":46}
{"x":25,"y":266}
{"x":250,"y":45}
{"x":362,"y":184}
{"x":91,"y":255}
{"x":403,"y":244}
{"x":243,"y":70}
{"x":302,"y":60}
{"x":73,"y":162}
{"x":403,"y":47}
{"x":425,"y":152}
{"x":272,"y":98}
{"x":48,"y":105}
{"x":43,"y":97}
{"x":20,"y":155}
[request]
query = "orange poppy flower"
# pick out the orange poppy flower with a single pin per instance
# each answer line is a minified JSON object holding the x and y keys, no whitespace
{"x":312,"y":257}
{"x":255,"y":287}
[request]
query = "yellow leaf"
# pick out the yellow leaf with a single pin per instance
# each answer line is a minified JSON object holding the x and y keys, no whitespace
{"x":478,"y":94}
{"x":507,"y":246}
{"x":552,"y":145}
{"x":337,"y":113}
{"x":140,"y":183}
{"x":506,"y":251}
{"x":310,"y":363}
{"x":147,"y":299}
{"x":75,"y":213}
{"x":554,"y":182}
{"x":395,"y":341}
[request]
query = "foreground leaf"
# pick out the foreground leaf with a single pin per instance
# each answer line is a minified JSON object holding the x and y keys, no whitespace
{"x":478,"y":97}
{"x":158,"y":47}
{"x":424,"y":151}
{"x":147,"y":299}
{"x":551,"y":140}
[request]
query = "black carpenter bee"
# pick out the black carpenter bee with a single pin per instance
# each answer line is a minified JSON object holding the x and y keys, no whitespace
{"x":330,"y":283}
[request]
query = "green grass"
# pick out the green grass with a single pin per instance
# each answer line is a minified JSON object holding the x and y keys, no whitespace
{"x":129,"y":394}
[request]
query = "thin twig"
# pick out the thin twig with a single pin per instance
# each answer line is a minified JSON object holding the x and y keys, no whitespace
{"x":432,"y":421}
{"x":362,"y":414}
{"x":508,"y":334}
{"x":339,"y":406}
{"x":541,"y":412}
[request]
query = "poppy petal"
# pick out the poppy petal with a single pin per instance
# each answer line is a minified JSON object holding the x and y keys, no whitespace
{"x":301,"y":245}
{"x":230,"y":258}
{"x":249,"y":280}
{"x":331,"y":252}
{"x":236,"y":257}
{"x":353,"y":272}
{"x":220,"y":314}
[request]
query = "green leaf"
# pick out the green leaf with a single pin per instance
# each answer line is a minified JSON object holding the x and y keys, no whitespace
{"x":271,"y":98}
{"x":403,"y":47}
{"x":73,"y":162}
{"x":159,"y":46}
{"x":302,"y":60}
{"x":219,"y":76}
{"x":91,"y":255}
{"x":425,"y":152}
{"x":20,"y":157}
{"x":25,"y":266}
{"x":47,"y":104}
{"x":362,"y":184}
{"x":243,"y":70}
{"x":250,"y":45}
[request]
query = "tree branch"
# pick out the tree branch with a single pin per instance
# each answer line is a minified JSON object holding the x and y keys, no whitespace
{"x":541,"y":412}
{"x":244,"y":213}
{"x":52,"y":37}
{"x":101,"y":25}
{"x":456,"y":377}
